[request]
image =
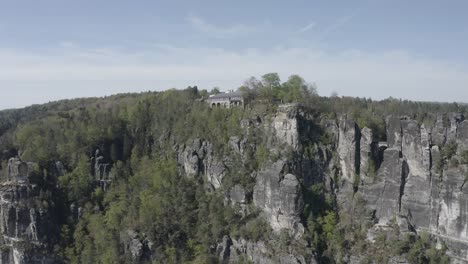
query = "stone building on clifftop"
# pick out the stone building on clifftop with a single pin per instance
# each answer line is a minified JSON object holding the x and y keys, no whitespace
{"x":226,"y":100}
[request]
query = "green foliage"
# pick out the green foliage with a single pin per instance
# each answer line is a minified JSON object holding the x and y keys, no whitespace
{"x":78,"y":183}
{"x":446,"y":154}
{"x":270,"y":88}
{"x":371,"y":168}
{"x":137,"y":135}
{"x":464,"y":157}
{"x":356,"y":181}
{"x":449,"y":150}
{"x":423,"y":251}
{"x":261,"y":155}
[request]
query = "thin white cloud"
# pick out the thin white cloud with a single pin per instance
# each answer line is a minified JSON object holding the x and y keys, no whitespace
{"x":220,"y":31}
{"x":335,"y":26}
{"x":31,"y":78}
{"x":307,"y":27}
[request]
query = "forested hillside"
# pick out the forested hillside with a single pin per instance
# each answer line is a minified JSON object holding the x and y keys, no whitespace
{"x":160,"y":177}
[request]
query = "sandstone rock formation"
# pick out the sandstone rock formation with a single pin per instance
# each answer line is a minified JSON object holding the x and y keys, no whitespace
{"x":408,"y":188}
{"x":349,"y":148}
{"x":198,"y":159}
{"x":279,"y":196}
{"x":285,"y":125}
{"x":26,"y":227}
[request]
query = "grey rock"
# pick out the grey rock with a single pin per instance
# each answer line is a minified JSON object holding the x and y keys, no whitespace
{"x":280,"y":198}
{"x":256,"y":252}
{"x":197,"y":159}
{"x":398,"y":260}
{"x":25,"y":226}
{"x":411,"y":147}
{"x":215,"y":172}
{"x":291,"y":259}
{"x":385,"y":195}
{"x":426,"y":142}
{"x":136,"y":249}
{"x":439,"y":132}
{"x":394,"y":132}
{"x":285,"y":125}
{"x":19,"y":170}
{"x":223,"y":250}
{"x":237,"y":198}
{"x":367,"y":146}
{"x":348,"y":148}
{"x":462,"y":135}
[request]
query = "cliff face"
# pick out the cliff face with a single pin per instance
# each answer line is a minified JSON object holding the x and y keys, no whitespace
{"x":26,"y":224}
{"x":398,"y":179}
{"x":417,"y":178}
{"x":415,"y":185}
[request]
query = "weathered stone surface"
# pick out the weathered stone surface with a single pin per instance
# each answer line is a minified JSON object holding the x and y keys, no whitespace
{"x":18,"y":170}
{"x":136,"y":246}
{"x":426,"y":142}
{"x":348,"y":148}
{"x":198,"y":159}
{"x":415,"y":202}
{"x":25,"y":226}
{"x":257,"y":252}
{"x":236,"y":250}
{"x":385,"y":195}
{"x":462,"y":135}
{"x":215,"y":171}
{"x":410,"y":187}
{"x":291,"y":259}
{"x":394,"y":130}
{"x":285,"y":125}
{"x":366,"y":154}
{"x":453,"y":214}
{"x":439,"y":131}
{"x":454,"y":122}
{"x":411,"y":147}
{"x":223,"y":250}
{"x":280,"y":198}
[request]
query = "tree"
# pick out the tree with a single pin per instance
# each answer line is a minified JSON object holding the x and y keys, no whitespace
{"x":271,"y":84}
{"x":294,"y":88}
{"x":252,"y":84}
{"x":215,"y":90}
{"x":78,"y":183}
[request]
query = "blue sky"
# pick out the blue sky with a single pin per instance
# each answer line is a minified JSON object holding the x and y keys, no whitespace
{"x":369,"y":48}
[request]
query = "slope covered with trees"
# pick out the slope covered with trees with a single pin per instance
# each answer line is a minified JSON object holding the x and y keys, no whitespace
{"x":179,"y":219}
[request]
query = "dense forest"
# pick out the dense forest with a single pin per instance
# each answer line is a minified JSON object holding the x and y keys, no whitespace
{"x":180,"y":217}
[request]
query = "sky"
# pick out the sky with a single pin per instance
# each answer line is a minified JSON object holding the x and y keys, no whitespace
{"x":56,"y":49}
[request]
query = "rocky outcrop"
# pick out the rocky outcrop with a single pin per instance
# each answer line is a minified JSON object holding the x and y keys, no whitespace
{"x":367,"y":155}
{"x":394,"y":132}
{"x":197,"y":159}
{"x":348,"y":148}
{"x":285,"y":125}
{"x":18,"y":170}
{"x":26,"y":226}
{"x":278,"y":194}
{"x":405,"y":186}
{"x":410,"y":189}
{"x":232,"y":251}
{"x":384,"y":196}
{"x":416,"y":191}
{"x":136,"y":246}
{"x":237,"y":197}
